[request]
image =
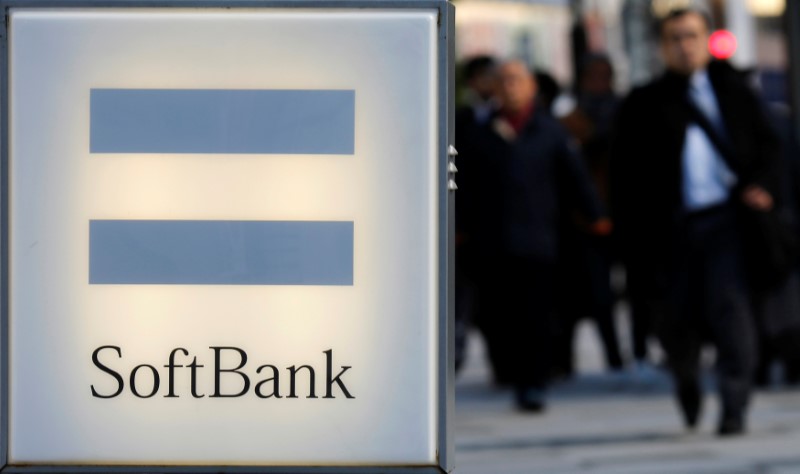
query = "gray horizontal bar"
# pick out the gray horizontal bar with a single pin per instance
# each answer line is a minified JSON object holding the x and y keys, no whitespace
{"x":141,"y":252}
{"x":68,"y":469}
{"x":222,"y":121}
{"x":338,"y":4}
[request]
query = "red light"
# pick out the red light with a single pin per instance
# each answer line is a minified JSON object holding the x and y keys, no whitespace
{"x":722,"y":44}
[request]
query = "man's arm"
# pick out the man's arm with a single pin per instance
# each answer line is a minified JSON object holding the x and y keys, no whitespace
{"x":580,"y":189}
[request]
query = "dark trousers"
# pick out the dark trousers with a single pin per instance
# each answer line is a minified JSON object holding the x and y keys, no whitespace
{"x":778,"y":315}
{"x":584,"y":289}
{"x":640,"y":312}
{"x":466,"y":298}
{"x":598,"y":266}
{"x":708,"y":300}
{"x":515,"y":316}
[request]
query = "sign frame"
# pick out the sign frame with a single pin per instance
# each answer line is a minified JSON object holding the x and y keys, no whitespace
{"x":445,"y":380}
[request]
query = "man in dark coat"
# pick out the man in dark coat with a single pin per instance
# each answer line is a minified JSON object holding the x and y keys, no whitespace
{"x":515,"y":170}
{"x":480,"y":104}
{"x":693,"y":149}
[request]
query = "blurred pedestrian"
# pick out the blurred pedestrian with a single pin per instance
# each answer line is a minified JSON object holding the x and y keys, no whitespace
{"x":778,"y":307}
{"x":519,"y":167}
{"x":692,"y":157}
{"x":548,"y":89}
{"x":585,"y":259}
{"x":480,"y":78}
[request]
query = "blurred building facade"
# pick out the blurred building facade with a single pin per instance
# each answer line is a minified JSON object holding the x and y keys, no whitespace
{"x":535,"y":31}
{"x":552,"y":35}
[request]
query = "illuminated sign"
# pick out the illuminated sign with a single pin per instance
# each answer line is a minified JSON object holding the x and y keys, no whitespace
{"x":227,"y":235}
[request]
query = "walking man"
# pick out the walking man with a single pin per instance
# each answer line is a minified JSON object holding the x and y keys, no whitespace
{"x":519,"y":173}
{"x":692,"y":150}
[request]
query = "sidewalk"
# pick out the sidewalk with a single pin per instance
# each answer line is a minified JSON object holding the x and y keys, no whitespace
{"x":613,"y":424}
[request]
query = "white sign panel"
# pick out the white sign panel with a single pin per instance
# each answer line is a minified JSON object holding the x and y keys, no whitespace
{"x":224,"y":232}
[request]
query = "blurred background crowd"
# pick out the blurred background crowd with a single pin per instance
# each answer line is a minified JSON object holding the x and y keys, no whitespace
{"x":637,"y":154}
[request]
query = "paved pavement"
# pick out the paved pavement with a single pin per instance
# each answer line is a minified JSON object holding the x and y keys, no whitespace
{"x":614,"y":424}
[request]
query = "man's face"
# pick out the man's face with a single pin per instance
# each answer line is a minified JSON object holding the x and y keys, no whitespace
{"x":484,"y":84}
{"x":597,"y":79}
{"x":517,"y":87}
{"x":684,"y":43}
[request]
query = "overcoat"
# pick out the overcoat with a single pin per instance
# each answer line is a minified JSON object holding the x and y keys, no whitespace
{"x":646,"y":162}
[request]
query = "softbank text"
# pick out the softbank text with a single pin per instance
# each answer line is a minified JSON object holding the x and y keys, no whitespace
{"x":145,"y":380}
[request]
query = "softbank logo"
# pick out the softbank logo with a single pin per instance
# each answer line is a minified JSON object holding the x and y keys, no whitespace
{"x":220,"y":252}
{"x":265,"y":380}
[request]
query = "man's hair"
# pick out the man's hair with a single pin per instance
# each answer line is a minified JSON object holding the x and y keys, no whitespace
{"x":478,"y":66}
{"x":591,"y":59}
{"x":680,"y":12}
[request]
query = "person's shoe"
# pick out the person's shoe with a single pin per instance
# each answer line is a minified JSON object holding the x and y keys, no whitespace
{"x":762,"y":378}
{"x":792,"y":373}
{"x":530,"y":399}
{"x":731,"y":426}
{"x":502,"y":381}
{"x":690,"y":399}
{"x":560,"y":374}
